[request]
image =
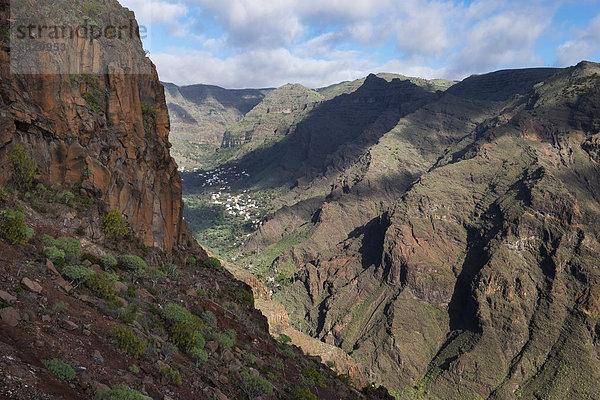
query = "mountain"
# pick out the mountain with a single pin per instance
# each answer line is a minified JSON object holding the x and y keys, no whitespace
{"x":446,"y":240}
{"x":200,"y":115}
{"x":104,"y":293}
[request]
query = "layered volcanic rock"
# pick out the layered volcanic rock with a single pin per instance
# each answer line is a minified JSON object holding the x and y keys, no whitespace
{"x":105,"y":133}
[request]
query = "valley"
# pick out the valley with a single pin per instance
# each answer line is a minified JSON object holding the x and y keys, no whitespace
{"x":437,"y":232}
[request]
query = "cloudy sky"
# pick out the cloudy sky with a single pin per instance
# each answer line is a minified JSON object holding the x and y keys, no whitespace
{"x":267,"y":43}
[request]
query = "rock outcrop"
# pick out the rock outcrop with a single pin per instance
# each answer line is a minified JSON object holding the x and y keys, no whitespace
{"x":105,"y":134}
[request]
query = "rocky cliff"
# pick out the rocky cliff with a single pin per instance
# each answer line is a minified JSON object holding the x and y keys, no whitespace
{"x":105,"y":133}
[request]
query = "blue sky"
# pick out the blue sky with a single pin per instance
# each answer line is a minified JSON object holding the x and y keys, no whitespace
{"x":267,"y":43}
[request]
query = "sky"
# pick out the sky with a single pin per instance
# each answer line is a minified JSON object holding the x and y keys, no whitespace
{"x":268,"y":43}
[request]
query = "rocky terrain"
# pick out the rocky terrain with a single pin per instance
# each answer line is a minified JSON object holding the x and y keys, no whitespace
{"x":103,"y":291}
{"x":446,"y":240}
{"x":200,"y":116}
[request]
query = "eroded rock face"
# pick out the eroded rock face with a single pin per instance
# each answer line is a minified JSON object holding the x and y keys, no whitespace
{"x":106,"y":134}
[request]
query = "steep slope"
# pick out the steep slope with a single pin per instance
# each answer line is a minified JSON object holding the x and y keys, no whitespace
{"x":103,"y":293}
{"x":200,"y":116}
{"x":427,"y":248}
{"x":480,"y":280}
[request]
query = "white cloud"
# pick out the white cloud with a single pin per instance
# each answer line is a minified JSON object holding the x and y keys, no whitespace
{"x":240,"y":43}
{"x":260,"y":68}
{"x":586,"y":43}
{"x":502,"y":41}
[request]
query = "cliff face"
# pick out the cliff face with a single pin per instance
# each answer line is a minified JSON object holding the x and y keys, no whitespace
{"x":106,"y":134}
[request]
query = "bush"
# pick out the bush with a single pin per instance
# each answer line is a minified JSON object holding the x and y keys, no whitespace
{"x":60,"y":368}
{"x":286,"y":351}
{"x":48,"y":240}
{"x":23,"y":167}
{"x":134,"y":369}
{"x":302,"y":394}
{"x":133,"y":263}
{"x":76,"y":273}
{"x":199,"y":338}
{"x":346,"y":379}
{"x":13,"y":228}
{"x":54,"y":254}
{"x":174,"y":313}
{"x":91,"y":258}
{"x":114,"y":225}
{"x":276,"y":363}
{"x":172,"y":375}
{"x":191,"y":260}
{"x":71,"y":247}
{"x":108,"y":261}
{"x":225,"y":341}
{"x":209,"y":318}
{"x":102,"y":285}
{"x":247,"y":297}
{"x":212,"y":263}
{"x":197,"y":354}
{"x":182,"y":335}
{"x":149,"y":115}
{"x":284,"y":339}
{"x":313,"y":376}
{"x":121,"y":392}
{"x":128,"y":341}
{"x":254,"y":385}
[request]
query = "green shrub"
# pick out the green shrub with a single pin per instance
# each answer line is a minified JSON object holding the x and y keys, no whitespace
{"x":247,"y":297}
{"x":93,"y":101}
{"x":346,"y":379}
{"x":209,"y":318}
{"x":77,"y":273}
{"x":198,"y":354}
{"x":174,"y":313}
{"x":182,"y":335}
{"x":54,"y":254}
{"x":108,"y":261}
{"x":134,"y":369}
{"x":121,"y":392}
{"x":312,"y":375}
{"x":114,"y":225}
{"x":254,"y":385}
{"x":128,"y":341}
{"x":276,"y":363}
{"x":133,"y":263}
{"x":302,"y":394}
{"x":59,"y":307}
{"x":225,"y":341}
{"x":91,"y":258}
{"x":191,"y":260}
{"x":172,"y":375}
{"x":249,"y":357}
{"x":284,"y":339}
{"x":48,"y":240}
{"x":286,"y":351}
{"x":199,"y":338}
{"x":102,"y":285}
{"x":212,"y":263}
{"x":201,"y":292}
{"x":23,"y":167}
{"x":60,"y":368}
{"x":71,"y":247}
{"x":13,"y":228}
{"x":149,"y":115}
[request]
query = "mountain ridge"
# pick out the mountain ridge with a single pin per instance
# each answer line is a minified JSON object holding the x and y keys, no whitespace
{"x":413,"y":251}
